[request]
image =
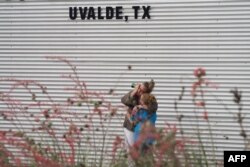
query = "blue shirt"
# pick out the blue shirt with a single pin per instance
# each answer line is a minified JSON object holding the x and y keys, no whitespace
{"x":141,"y":117}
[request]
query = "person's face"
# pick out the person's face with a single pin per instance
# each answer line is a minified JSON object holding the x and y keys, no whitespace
{"x":141,"y":89}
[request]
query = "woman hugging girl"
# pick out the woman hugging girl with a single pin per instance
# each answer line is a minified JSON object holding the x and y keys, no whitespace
{"x":142,"y":118}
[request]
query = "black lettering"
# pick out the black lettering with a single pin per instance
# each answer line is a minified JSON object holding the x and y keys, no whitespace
{"x":109,"y":13}
{"x":119,"y":12}
{"x":146,"y":12}
{"x":136,"y":9}
{"x":100,"y":17}
{"x":73,"y":13}
{"x":91,"y":13}
{"x":83,"y":12}
{"x":126,"y":18}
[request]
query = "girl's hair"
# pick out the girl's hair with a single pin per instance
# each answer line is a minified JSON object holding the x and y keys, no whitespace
{"x":148,"y":99}
{"x":149,"y":86}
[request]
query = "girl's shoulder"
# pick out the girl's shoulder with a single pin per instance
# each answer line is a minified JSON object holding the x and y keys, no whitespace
{"x":144,"y":110}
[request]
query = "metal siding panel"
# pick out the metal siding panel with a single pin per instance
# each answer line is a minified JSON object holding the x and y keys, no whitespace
{"x":180,"y":36}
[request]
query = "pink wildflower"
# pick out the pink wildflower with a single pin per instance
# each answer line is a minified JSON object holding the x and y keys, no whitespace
{"x":194,"y":87}
{"x":199,"y":72}
{"x":116,"y":144}
{"x":134,"y":154}
{"x":205,"y":115}
{"x":37,"y":119}
{"x":200,"y":103}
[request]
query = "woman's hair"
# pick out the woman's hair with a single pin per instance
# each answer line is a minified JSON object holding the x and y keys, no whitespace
{"x":148,"y":99}
{"x":149,"y":86}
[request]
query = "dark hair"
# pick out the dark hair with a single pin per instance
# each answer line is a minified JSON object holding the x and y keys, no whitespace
{"x":149,"y":86}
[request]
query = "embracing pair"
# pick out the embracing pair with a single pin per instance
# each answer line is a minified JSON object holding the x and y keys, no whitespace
{"x":142,"y":108}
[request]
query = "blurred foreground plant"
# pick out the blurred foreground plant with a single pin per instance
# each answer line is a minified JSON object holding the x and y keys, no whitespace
{"x":74,"y":144}
{"x":82,"y":139}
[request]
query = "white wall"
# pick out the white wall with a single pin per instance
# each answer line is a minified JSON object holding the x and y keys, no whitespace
{"x":180,"y":36}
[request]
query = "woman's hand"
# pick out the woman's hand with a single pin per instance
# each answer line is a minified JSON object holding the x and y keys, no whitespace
{"x":129,"y":110}
{"x":141,"y":106}
{"x":128,"y":115}
{"x":135,"y":109}
{"x":134,"y":92}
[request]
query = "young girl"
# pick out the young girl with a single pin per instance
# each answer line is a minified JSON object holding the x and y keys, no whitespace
{"x":141,"y":115}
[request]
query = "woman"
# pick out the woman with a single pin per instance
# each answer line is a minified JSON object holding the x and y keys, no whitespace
{"x":131,"y":99}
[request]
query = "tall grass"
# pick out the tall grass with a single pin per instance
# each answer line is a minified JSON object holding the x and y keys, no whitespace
{"x":83,"y":137}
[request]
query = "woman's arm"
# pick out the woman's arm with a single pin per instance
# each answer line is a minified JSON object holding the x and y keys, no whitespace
{"x":129,"y":99}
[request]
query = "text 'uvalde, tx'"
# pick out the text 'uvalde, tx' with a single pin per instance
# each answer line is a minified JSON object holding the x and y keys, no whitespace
{"x":108,"y":13}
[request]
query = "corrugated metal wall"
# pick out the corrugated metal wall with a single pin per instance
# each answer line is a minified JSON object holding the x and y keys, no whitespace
{"x":180,"y":36}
